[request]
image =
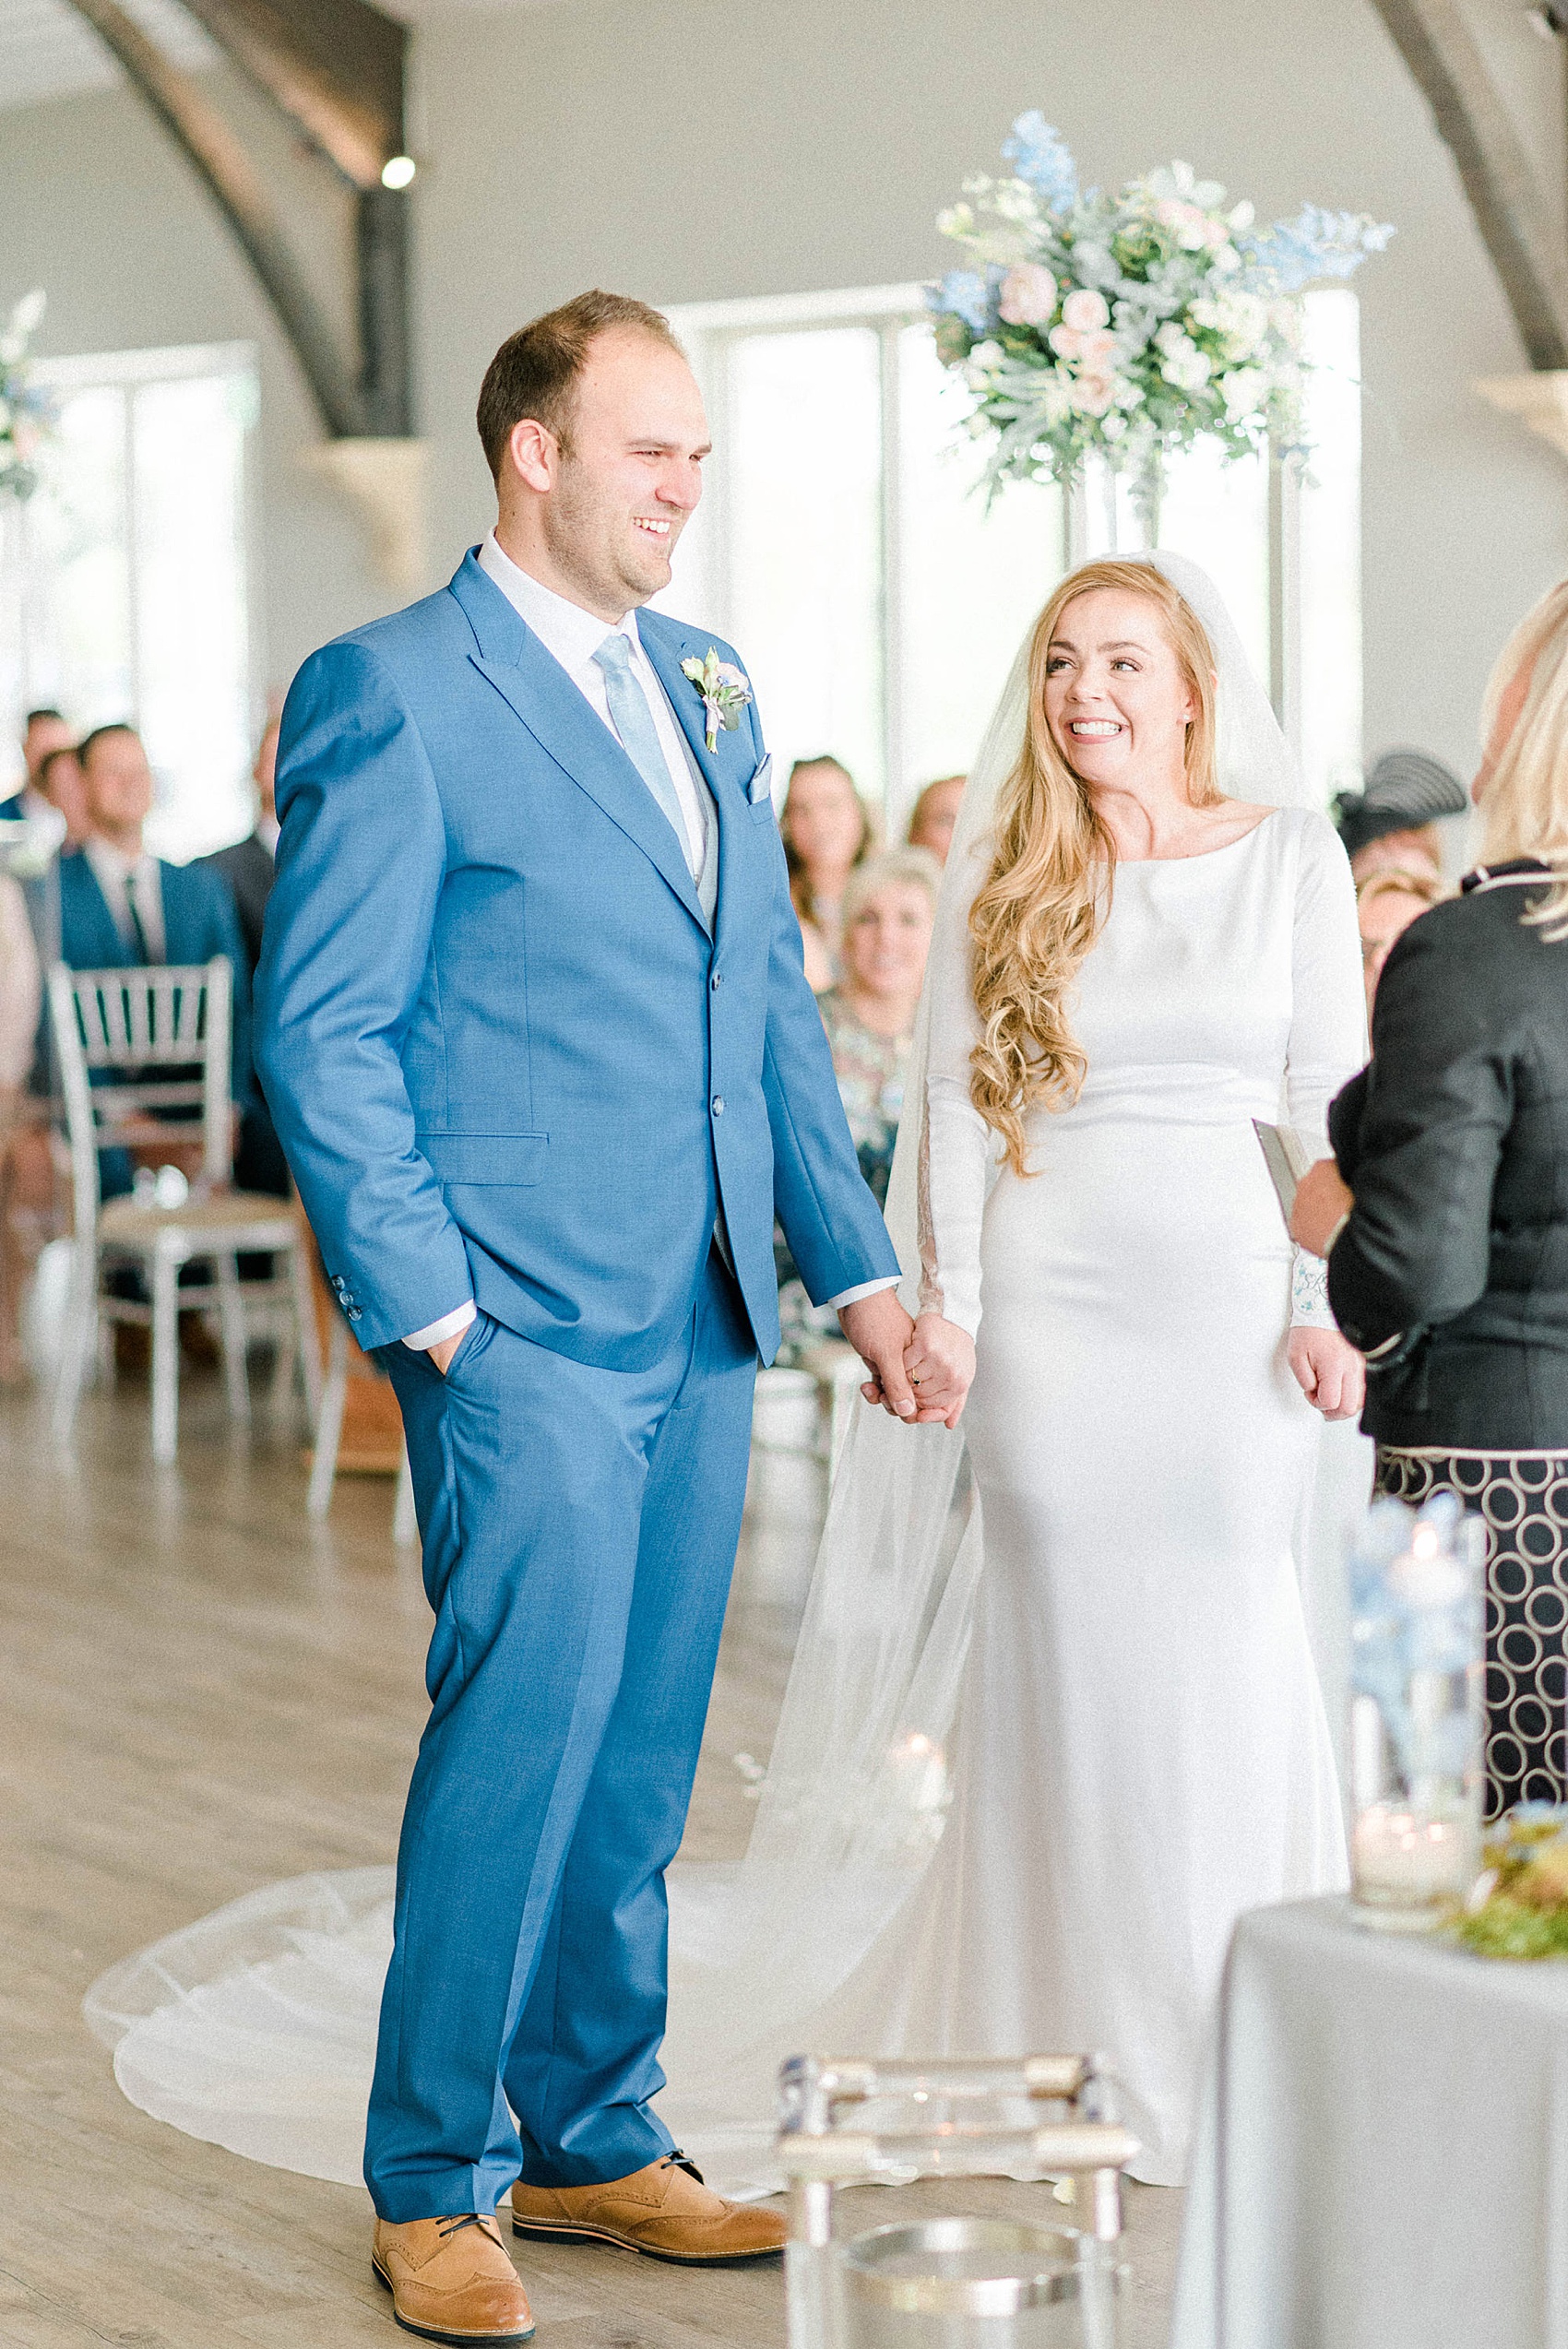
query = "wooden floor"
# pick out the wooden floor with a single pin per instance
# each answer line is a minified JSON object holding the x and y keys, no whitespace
{"x":202,"y":1692}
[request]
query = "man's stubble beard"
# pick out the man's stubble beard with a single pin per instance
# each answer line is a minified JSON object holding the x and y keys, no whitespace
{"x":573,"y":533}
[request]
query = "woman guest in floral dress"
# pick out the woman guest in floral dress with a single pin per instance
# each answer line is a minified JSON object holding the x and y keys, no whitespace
{"x":887,"y":909}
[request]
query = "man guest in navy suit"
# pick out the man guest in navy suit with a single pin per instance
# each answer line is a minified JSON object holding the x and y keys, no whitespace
{"x":121,"y":904}
{"x":249,"y":869}
{"x":538,"y":1040}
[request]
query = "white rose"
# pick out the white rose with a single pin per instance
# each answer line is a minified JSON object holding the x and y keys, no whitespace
{"x":1085,"y":309}
{"x":1028,"y":294}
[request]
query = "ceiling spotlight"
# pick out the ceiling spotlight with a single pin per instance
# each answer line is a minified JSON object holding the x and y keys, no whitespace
{"x":1547,"y":21}
{"x":398,"y":170}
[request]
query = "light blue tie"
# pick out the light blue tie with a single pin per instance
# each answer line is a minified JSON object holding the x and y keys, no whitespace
{"x":633,"y":720}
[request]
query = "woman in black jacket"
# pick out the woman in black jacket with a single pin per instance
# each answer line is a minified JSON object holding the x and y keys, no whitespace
{"x":1445,"y":1214}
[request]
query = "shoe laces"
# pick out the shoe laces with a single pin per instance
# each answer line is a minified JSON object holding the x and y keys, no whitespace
{"x":485,"y":2223}
{"x":676,"y":2159}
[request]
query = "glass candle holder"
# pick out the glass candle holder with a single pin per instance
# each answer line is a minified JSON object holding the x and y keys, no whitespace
{"x":1418,"y":1657}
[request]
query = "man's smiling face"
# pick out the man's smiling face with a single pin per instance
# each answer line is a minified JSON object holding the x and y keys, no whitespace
{"x":628,"y":473}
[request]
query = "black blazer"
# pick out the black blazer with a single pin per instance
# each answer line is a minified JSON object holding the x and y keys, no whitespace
{"x":1452,"y":1274}
{"x":249,"y":869}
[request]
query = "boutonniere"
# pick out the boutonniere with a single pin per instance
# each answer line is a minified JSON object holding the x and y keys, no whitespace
{"x":724,"y":691}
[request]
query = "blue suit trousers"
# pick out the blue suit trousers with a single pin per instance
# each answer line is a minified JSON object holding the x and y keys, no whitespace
{"x":579,"y":1526}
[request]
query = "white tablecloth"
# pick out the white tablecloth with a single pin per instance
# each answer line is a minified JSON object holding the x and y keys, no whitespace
{"x":1382,"y":2156}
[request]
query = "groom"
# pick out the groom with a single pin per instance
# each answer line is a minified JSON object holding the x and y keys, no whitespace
{"x":535,"y":1032}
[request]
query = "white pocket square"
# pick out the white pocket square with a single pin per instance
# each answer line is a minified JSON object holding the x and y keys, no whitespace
{"x":760,"y":787}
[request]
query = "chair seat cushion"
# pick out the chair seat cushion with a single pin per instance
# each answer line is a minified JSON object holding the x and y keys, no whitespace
{"x":249,"y":1219}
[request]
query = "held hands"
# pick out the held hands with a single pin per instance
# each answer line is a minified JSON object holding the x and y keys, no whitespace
{"x":879,"y":1330}
{"x":940,"y":1364}
{"x":1329,"y":1371}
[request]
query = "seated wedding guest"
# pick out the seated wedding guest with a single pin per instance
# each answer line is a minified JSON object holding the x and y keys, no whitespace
{"x":889,"y":906}
{"x":1386,"y":904}
{"x":1394,"y":821}
{"x":1443,"y":1212}
{"x":21,"y":996}
{"x":249,"y":869}
{"x":826,"y":832}
{"x":120,"y":905}
{"x":249,"y":866}
{"x":936,"y":811}
{"x":45,"y":731}
{"x":60,"y":787}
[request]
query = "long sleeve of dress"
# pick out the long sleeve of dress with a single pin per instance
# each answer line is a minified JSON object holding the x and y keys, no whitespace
{"x":1328,"y":1023}
{"x":20,"y":986}
{"x":956,"y":1148}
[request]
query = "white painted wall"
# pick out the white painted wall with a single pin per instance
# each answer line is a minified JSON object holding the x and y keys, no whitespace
{"x":685,"y":149}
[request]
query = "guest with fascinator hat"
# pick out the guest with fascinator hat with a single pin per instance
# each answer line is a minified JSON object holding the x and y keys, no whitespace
{"x":1391,"y":824}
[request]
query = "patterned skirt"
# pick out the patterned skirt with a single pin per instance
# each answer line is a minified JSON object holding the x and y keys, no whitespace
{"x":1524,"y":1497}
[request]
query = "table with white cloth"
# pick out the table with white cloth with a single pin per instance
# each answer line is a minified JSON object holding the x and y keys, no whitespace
{"x":1381,"y":2159}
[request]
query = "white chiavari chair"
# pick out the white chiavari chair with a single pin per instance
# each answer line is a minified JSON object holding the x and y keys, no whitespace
{"x":144,"y":1060}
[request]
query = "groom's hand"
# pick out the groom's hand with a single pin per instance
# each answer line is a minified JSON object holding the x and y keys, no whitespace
{"x":879,"y":1330}
{"x":441,"y":1353}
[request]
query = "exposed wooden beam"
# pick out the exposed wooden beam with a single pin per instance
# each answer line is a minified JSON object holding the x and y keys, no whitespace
{"x":1438,"y":47}
{"x":350,"y":106}
{"x":336,"y":68}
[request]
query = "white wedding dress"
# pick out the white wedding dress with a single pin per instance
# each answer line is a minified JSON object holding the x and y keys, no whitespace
{"x":1141,"y":1748}
{"x":1053,"y":1720}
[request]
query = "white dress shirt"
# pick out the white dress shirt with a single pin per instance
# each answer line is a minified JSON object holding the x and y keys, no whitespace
{"x":111,"y":871}
{"x":572,"y":636}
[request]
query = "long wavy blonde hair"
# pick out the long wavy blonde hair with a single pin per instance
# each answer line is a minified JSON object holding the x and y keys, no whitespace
{"x":1524,"y":796}
{"x":1046,"y":897}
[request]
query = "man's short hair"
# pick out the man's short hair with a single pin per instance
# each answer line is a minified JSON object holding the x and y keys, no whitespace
{"x":115,"y":726}
{"x":35,"y":718}
{"x":534,"y":373}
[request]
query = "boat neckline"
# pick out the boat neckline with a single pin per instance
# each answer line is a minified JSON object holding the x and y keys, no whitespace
{"x":1203,"y":855}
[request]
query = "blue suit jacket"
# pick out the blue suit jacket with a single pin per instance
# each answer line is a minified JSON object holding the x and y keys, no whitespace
{"x":503,"y":1052}
{"x":199,"y":921}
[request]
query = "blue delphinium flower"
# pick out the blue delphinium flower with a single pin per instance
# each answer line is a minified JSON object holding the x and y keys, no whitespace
{"x":1040,"y":155}
{"x":1316,"y":243}
{"x":966,"y":295}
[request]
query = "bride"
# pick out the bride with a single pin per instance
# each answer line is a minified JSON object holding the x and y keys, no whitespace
{"x":1147,"y":939}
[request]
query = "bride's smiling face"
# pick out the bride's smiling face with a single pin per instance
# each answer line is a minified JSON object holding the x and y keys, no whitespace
{"x":1116,"y":700}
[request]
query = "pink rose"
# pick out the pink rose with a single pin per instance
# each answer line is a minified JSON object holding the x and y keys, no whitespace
{"x":1029,"y":295}
{"x":1064,"y":342}
{"x":1094,"y":394}
{"x":1085,"y":309}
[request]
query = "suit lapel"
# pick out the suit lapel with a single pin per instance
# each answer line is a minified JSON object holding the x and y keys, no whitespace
{"x":535,"y":686}
{"x":667,"y":645}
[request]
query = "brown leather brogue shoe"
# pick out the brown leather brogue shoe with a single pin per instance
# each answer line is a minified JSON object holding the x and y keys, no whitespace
{"x":452,"y":2279}
{"x":665,"y":2212}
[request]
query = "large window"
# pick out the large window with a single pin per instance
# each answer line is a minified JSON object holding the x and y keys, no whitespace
{"x":123,"y":582}
{"x":843,"y":547}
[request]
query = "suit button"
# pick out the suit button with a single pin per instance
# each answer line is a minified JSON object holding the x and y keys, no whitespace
{"x":354,"y":1314}
{"x":719,"y":1105}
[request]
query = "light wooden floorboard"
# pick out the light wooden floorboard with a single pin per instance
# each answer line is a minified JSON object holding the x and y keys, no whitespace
{"x":203,"y":1692}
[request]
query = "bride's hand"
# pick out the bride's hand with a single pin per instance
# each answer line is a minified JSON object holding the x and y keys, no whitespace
{"x":1329,"y":1371}
{"x":939,"y":1363}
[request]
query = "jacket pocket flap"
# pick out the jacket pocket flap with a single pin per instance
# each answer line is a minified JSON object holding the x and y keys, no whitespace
{"x":485,"y":1157}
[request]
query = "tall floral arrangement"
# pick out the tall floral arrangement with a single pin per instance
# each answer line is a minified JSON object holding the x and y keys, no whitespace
{"x":26,"y":409}
{"x":1128,"y":325}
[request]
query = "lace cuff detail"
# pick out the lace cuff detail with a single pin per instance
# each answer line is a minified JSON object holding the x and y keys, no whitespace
{"x":1309,"y":1293}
